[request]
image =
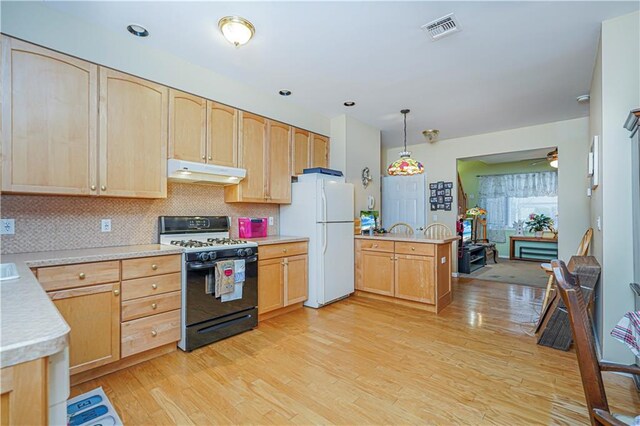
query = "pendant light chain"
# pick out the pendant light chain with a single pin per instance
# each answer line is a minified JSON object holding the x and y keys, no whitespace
{"x":405,"y":131}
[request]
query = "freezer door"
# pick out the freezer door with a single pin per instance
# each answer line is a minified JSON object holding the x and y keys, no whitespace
{"x":335,"y":265}
{"x":335,"y":201}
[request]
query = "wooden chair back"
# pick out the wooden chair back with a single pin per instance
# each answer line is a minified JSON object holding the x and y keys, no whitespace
{"x":585,"y":243}
{"x":584,"y":341}
{"x":401,"y":228}
{"x":482,"y":227}
{"x":437,"y":231}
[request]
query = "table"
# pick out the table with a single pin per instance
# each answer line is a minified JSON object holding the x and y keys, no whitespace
{"x":532,"y":248}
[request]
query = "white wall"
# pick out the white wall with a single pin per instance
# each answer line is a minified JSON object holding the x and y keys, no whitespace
{"x":38,"y":24}
{"x":354,"y":146}
{"x":569,"y":136}
{"x":616,"y":87}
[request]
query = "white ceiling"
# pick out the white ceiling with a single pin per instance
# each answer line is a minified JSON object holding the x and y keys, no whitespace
{"x":513,"y":64}
{"x":509,"y":157}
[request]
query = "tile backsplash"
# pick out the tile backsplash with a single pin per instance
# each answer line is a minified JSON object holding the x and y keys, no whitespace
{"x":45,"y":223}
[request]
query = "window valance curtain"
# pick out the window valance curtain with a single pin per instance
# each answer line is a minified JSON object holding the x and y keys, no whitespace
{"x":537,"y":184}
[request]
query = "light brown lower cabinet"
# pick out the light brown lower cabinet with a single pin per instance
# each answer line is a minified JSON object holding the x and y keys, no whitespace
{"x":23,"y":393}
{"x":111,"y":321}
{"x":282,"y":278}
{"x":416,"y":272}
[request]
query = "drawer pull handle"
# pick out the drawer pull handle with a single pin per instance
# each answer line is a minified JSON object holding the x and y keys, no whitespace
{"x":413,"y":249}
{"x":284,"y":250}
{"x":116,"y":292}
{"x":154,"y":266}
{"x":154,"y":306}
{"x":154,"y":333}
{"x":375,"y":246}
{"x":154,"y":286}
{"x":82,"y":276}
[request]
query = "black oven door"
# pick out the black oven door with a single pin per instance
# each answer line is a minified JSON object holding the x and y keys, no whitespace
{"x":202,"y":307}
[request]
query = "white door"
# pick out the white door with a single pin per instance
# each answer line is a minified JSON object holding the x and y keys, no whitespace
{"x":335,"y":257}
{"x":335,"y":201}
{"x":404,"y":199}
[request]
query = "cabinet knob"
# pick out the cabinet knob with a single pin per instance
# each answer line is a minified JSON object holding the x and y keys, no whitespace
{"x":82,"y":276}
{"x":154,"y":286}
{"x":154,"y":306}
{"x":210,"y":158}
{"x":375,"y":246}
{"x":103,"y":188}
{"x":284,"y":250}
{"x":116,"y":292}
{"x":154,"y":266}
{"x":154,"y":333}
{"x":413,"y":249}
{"x":93,"y":187}
{"x":204,"y":158}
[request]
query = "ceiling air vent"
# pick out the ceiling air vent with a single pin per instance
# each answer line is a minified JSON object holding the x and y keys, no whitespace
{"x":442,"y":27}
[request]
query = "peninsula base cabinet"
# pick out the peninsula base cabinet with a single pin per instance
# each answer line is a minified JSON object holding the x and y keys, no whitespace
{"x":23,"y":393}
{"x":118,"y":311}
{"x":282,"y":278}
{"x":413,"y":272}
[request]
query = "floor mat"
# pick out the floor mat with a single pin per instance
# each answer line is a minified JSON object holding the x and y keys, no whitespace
{"x":512,"y":272}
{"x":92,"y":408}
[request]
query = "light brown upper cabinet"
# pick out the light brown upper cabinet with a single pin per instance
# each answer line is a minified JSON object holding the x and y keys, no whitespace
{"x":201,"y":130}
{"x":301,"y":152}
{"x":319,"y":151}
{"x":133,"y":136}
{"x":264,"y":148}
{"x":49,"y":116}
{"x":187,"y":127}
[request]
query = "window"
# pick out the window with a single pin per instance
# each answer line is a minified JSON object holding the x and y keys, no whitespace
{"x":519,"y":208}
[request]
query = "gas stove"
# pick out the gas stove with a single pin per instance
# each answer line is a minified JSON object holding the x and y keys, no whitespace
{"x":210,"y":242}
{"x":200,"y":233}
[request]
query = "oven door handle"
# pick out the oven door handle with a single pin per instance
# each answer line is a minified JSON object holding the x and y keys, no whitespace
{"x":200,"y":266}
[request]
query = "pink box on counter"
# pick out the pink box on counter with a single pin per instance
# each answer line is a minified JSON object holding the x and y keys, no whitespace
{"x":252,"y":227}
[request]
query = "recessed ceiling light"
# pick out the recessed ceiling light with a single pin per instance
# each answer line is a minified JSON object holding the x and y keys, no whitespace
{"x":285,"y":92}
{"x":349,"y":103}
{"x":137,"y":30}
{"x":236,"y":29}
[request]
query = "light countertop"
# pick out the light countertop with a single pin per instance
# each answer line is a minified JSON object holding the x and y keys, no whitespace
{"x":277,"y":239}
{"x":31,"y":326}
{"x":415,"y":238}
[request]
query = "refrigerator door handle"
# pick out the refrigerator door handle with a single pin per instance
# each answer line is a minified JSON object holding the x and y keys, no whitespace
{"x":325,"y":238}
{"x":323,"y":196}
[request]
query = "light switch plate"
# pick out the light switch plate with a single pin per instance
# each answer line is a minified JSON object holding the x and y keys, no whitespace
{"x":105,"y":225}
{"x":270,"y":220}
{"x":443,"y":260}
{"x":8,"y":227}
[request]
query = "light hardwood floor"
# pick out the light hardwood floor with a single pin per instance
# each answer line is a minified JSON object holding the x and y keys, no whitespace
{"x":363,"y":361}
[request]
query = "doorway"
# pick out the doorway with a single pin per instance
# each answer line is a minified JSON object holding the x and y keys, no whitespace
{"x":501,"y":198}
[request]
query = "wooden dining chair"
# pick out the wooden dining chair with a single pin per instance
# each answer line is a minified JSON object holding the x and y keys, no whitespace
{"x":437,"y":231}
{"x":584,"y":342}
{"x":401,"y":228}
{"x":583,"y":250}
{"x":489,"y":247}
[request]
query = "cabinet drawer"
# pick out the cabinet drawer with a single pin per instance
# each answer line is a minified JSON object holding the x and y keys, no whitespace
{"x":281,"y":250}
{"x":376,"y":245}
{"x":79,"y":275}
{"x":151,"y":305}
{"x":149,"y":266}
{"x":422,"y":249}
{"x":150,"y":286}
{"x":147,"y":333}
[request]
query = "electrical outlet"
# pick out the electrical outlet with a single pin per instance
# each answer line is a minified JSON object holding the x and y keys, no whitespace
{"x":599,"y":223}
{"x":270,"y":220}
{"x":105,"y":225}
{"x":443,"y":260}
{"x":8,"y":227}
{"x":435,"y":217}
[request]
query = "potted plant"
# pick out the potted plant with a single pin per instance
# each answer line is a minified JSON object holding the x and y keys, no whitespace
{"x":538,"y":223}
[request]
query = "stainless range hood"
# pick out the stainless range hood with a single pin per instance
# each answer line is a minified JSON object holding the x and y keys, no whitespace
{"x":191,"y":172}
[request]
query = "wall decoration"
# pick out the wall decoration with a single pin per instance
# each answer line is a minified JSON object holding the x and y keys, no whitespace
{"x":440,"y":195}
{"x":366,"y":177}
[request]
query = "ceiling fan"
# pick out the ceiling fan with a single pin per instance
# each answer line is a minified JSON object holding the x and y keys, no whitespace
{"x":551,"y":158}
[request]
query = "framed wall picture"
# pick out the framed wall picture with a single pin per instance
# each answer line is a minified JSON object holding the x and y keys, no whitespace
{"x":594,"y":151}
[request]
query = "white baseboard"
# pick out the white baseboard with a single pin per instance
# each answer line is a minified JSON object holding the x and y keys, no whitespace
{"x":454,"y":274}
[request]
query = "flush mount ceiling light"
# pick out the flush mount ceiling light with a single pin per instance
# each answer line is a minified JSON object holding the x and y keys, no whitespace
{"x":431,"y":135}
{"x":405,"y":165}
{"x":236,"y":29}
{"x":137,"y":30}
{"x":552,"y":158}
{"x":285,"y":92}
{"x":349,"y":104}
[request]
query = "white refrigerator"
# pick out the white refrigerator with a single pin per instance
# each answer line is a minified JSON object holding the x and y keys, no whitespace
{"x":322,"y":209}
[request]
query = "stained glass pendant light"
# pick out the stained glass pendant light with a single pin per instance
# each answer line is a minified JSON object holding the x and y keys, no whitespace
{"x":405,"y":165}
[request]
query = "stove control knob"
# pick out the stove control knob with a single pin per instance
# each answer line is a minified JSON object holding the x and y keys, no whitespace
{"x":248,"y":252}
{"x":241,"y":252}
{"x":203,"y":257}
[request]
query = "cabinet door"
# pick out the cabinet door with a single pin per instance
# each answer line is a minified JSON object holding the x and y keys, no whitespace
{"x":300,"y":151}
{"x":222,"y":135}
{"x":187,"y":126}
{"x":49,"y":117}
{"x":377,"y":272}
{"x":252,"y":136}
{"x":415,"y":278}
{"x":319,"y":151}
{"x":270,"y":285}
{"x":295,"y":279}
{"x":133,"y":136}
{"x":279,"y":163}
{"x":93,"y":313}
